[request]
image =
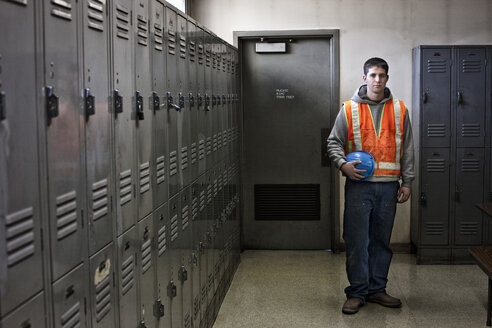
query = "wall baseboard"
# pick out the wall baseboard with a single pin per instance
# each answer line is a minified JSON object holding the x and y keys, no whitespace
{"x":398,"y":248}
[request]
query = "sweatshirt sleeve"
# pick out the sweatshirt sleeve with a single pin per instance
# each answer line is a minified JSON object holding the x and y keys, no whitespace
{"x":408,"y":155}
{"x":337,"y":140}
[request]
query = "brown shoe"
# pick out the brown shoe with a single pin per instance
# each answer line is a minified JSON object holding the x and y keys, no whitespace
{"x":352,"y":305}
{"x":385,"y":300}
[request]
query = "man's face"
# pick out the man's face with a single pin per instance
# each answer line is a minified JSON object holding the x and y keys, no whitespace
{"x":376,"y":80}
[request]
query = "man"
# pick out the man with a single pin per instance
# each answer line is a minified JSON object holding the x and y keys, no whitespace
{"x":372,"y":121}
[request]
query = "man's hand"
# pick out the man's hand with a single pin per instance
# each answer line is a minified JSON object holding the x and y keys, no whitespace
{"x":403,"y":194}
{"x":350,"y":171}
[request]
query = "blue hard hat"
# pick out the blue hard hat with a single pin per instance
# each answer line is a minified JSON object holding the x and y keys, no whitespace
{"x":367,"y":164}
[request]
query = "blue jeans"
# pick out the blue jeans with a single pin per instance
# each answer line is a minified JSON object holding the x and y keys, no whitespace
{"x":368,"y":219}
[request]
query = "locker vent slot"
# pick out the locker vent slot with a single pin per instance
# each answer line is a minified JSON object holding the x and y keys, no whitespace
{"x":187,"y":320}
{"x":201,"y":149}
{"x":185,"y":215}
{"x":99,"y":199}
{"x":233,"y":65}
{"x":174,"y":228}
{"x":66,"y":215}
{"x":214,"y":143}
{"x":209,"y":146}
{"x":436,"y":66}
{"x":171,"y":42}
{"x":193,"y":153}
{"x":203,"y":299}
{"x":160,"y":165}
{"x":184,"y":158}
{"x":142,"y":30}
{"x":203,"y":200}
{"x":125,"y":187}
{"x":436,"y":130}
{"x":192,"y":51}
{"x":103,"y":298}
{"x":434,"y":228}
{"x":158,"y":37}
{"x":470,"y":130}
{"x":287,"y":202}
{"x":71,"y":318}
{"x":200,"y":54}
{"x":468,"y":228}
{"x":219,"y":140}
{"x":220,"y":182}
{"x":470,"y":165}
{"x":19,"y":232}
{"x":472,"y":66}
{"x":210,"y":282}
{"x":144,"y":177}
{"x":209,"y":193}
{"x":95,"y":15}
{"x":194,"y":208}
{"x":229,"y":66}
{"x":61,"y":9}
{"x":215,"y":189}
{"x":436,"y":165}
{"x":173,"y":163}
{"x":224,"y":64}
{"x":162,"y":240}
{"x":196,"y":307}
{"x":146,"y":255}
{"x":214,"y":60}
{"x":219,"y":62}
{"x":122,"y":22}
{"x":127,"y":274}
{"x":182,"y":46}
{"x":207,"y":58}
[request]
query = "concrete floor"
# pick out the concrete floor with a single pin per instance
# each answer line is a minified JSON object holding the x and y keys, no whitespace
{"x":305,"y":289}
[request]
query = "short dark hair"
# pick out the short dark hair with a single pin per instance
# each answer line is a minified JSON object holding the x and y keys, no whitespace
{"x":375,"y":61}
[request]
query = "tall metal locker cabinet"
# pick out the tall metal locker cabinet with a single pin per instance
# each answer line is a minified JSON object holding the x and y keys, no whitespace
{"x":451,"y":111}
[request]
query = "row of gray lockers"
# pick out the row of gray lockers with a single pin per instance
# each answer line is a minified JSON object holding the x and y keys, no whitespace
{"x":118,"y":165}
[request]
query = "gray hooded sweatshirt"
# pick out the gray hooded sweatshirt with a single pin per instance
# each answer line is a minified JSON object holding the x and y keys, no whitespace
{"x":339,"y":134}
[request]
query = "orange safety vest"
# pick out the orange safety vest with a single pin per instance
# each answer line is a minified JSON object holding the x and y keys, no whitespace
{"x":362,"y":135}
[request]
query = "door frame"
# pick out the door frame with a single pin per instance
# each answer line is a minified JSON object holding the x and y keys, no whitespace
{"x":334,"y":36}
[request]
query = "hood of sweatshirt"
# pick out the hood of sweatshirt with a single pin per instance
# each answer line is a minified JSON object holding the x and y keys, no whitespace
{"x":360,"y":96}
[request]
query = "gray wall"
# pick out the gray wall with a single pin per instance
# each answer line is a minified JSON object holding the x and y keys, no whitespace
{"x":384,"y":28}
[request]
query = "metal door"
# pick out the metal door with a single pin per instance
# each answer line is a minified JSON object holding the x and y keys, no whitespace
{"x":20,"y":213}
{"x":174,"y":286}
{"x":192,"y":39}
{"x":216,"y":98}
{"x":157,"y":19}
{"x":208,"y":100}
{"x":471,"y":97}
{"x":196,"y":242}
{"x":122,"y":108}
{"x":102,"y":291}
{"x":127,"y":279}
{"x":200,"y":101}
{"x":185,"y":248}
{"x":61,"y":97}
{"x":468,"y":193}
{"x":143,"y":103}
{"x":434,"y":197}
{"x":202,"y":244}
{"x":31,"y":314}
{"x":97,"y":123}
{"x":289,"y":97}
{"x":211,"y":183}
{"x":436,"y":97}
{"x":146,"y":272}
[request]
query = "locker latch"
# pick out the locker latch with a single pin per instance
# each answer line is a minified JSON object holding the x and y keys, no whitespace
{"x":171,"y":289}
{"x":423,"y":199}
{"x":89,"y":103}
{"x":201,"y":247}
{"x":158,"y":309}
{"x":191,"y":99}
{"x":182,"y":274}
{"x":224,"y":100}
{"x":214,"y":100}
{"x":51,"y":103}
{"x":460,"y":97}
{"x":142,"y":325}
{"x":139,"y":106}
{"x":199,"y":100}
{"x":170,"y":102}
{"x":229,"y":98}
{"x":457,"y":193}
{"x":3,"y":114}
{"x":156,"y":101}
{"x":207,"y":102}
{"x":117,"y":102}
{"x":181,"y":100}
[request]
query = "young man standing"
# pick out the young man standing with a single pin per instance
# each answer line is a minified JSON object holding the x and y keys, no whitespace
{"x":372,"y":121}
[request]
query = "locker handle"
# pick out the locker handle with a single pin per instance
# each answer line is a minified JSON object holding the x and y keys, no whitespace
{"x":51,"y":103}
{"x":156,"y":101}
{"x":158,"y":308}
{"x":460,"y":97}
{"x":224,"y":100}
{"x":229,"y":99}
{"x":207,"y":102}
{"x":69,"y":291}
{"x":26,"y":324}
{"x":89,"y":103}
{"x":139,"y":106}
{"x":424,"y":97}
{"x":423,"y":199}
{"x":142,"y":325}
{"x":182,"y":274}
{"x":3,"y":114}
{"x":214,"y":100}
{"x":171,"y":290}
{"x":457,"y":193}
{"x":181,"y":100}
{"x":199,"y":100}
{"x":171,"y":104}
{"x":117,"y":102}
{"x":191,"y":99}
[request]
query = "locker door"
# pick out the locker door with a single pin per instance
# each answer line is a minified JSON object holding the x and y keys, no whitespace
{"x":174,"y":286}
{"x":162,"y":235}
{"x":210,"y":234}
{"x":102,"y":291}
{"x":184,"y":114}
{"x":31,"y":314}
{"x":143,"y":103}
{"x":202,"y":235}
{"x":185,"y":245}
{"x":61,"y":96}
{"x":146,"y":271}
{"x":196,"y":242}
{"x":434,"y":198}
{"x":172,"y":101}
{"x":471,"y":96}
{"x":20,"y":215}
{"x":122,"y":108}
{"x":208,"y":101}
{"x":201,"y":129}
{"x":216,"y":99}
{"x":97,"y":123}
{"x":193,"y":90}
{"x":468,"y":193}
{"x":157,"y":20}
{"x":127,"y":279}
{"x":69,"y":299}
{"x":436,"y":97}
